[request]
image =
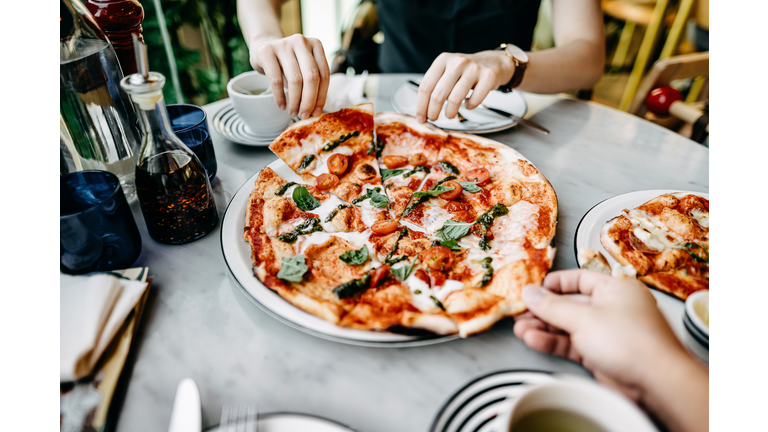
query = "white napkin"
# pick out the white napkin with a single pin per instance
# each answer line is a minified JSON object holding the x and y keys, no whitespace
{"x":92,"y":310}
{"x":345,"y":91}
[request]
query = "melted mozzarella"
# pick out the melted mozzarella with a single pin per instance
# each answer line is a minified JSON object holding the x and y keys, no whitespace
{"x":357,"y":239}
{"x":434,"y":216}
{"x":448,"y":287}
{"x":329,"y":205}
{"x":649,"y":229}
{"x":422,"y":295}
{"x":509,"y":230}
{"x":369,"y":215}
{"x":309,"y":145}
{"x":321,"y":162}
{"x":702,"y":217}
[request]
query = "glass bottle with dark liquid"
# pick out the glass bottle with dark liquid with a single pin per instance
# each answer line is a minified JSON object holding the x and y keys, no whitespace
{"x":173,"y":188}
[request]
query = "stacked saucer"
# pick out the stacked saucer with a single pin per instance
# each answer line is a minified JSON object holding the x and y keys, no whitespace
{"x":696,"y":318}
{"x":230,"y":125}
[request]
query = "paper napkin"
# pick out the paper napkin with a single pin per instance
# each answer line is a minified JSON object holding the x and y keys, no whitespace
{"x":92,"y":310}
{"x":345,"y":91}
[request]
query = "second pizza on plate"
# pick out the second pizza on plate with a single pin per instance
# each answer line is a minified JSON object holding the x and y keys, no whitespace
{"x":400,"y":225}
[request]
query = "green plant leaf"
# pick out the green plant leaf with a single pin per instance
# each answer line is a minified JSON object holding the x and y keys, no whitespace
{"x":470,"y":187}
{"x":304,"y":200}
{"x":355,"y":257}
{"x":448,"y":167}
{"x":451,"y":244}
{"x":403,"y":272}
{"x":293,"y":268}
{"x":435,"y":191}
{"x":388,"y":173}
{"x":453,"y":230}
{"x":378,"y":200}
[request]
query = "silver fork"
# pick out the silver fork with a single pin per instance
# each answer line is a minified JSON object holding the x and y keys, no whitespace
{"x":239,"y":418}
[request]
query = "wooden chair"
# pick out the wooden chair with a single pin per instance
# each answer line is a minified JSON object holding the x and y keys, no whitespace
{"x":654,"y":15}
{"x":664,"y":72}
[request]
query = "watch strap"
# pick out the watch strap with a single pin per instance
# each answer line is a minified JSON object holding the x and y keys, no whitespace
{"x":517,"y":75}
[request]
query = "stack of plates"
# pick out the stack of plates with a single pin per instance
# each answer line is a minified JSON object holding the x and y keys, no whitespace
{"x":692,"y":321}
{"x":229,"y":125}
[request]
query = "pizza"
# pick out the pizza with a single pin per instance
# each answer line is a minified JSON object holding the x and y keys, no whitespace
{"x":663,"y":242}
{"x":399,"y":225}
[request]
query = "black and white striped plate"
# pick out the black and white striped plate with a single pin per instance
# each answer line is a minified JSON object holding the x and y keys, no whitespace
{"x":477,"y":405}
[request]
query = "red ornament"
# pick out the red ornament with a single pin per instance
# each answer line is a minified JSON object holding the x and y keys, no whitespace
{"x":661,"y":98}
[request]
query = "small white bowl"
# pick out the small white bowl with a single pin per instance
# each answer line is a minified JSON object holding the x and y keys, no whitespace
{"x":700,"y":299}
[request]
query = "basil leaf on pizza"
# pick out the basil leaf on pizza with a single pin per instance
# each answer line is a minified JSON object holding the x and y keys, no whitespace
{"x":403,"y":272}
{"x":388,"y":173}
{"x":355,"y":257}
{"x":470,"y":187}
{"x":435,"y":191}
{"x":378,"y":200}
{"x":293,"y":268}
{"x":304,"y":200}
{"x":448,"y":167}
{"x":451,"y":244}
{"x":453,"y":230}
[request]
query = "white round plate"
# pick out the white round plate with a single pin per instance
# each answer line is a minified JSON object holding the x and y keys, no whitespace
{"x":479,"y":120}
{"x":588,"y":237}
{"x":294,"y":422}
{"x":229,"y":124}
{"x":237,"y":255}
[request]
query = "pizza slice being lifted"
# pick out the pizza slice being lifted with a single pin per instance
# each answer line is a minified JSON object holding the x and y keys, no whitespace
{"x":335,"y":152}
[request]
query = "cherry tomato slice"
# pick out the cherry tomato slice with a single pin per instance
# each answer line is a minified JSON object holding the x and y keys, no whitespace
{"x":393,"y":162}
{"x":438,"y":258}
{"x":417,"y":159}
{"x":479,"y":176}
{"x":437,"y":278}
{"x":384,"y":227}
{"x":338,"y":164}
{"x":421,"y":274}
{"x":326,"y":182}
{"x":453,"y":194}
{"x":379,"y":275}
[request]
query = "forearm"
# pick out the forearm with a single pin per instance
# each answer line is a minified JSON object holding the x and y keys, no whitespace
{"x":259,"y":20}
{"x":574,"y":66}
{"x":677,"y":393}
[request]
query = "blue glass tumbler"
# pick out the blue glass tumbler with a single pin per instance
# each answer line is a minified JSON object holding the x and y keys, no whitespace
{"x":97,"y":231}
{"x":190,"y":125}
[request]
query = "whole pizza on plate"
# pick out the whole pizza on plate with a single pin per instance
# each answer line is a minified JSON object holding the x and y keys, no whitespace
{"x":400,"y":225}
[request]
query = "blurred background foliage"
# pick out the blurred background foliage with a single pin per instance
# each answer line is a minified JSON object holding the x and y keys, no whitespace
{"x":206,"y":43}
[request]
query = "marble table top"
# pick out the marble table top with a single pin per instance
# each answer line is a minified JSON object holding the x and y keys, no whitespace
{"x":200,"y":324}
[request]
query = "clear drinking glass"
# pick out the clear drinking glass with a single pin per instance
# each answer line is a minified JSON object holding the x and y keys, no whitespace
{"x":97,"y":113}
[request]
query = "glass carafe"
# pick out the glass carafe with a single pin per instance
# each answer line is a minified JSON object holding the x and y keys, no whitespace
{"x":173,"y":188}
{"x":98,"y":115}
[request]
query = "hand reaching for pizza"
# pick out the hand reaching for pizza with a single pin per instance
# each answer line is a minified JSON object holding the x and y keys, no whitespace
{"x":613,"y":327}
{"x":451,"y":76}
{"x":299,"y":63}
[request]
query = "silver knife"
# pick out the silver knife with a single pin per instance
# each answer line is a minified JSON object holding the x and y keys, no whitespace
{"x":518,"y":119}
{"x":186,"y":415}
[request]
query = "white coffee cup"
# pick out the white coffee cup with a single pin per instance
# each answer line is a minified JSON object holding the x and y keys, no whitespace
{"x":604,"y":407}
{"x":260,"y":112}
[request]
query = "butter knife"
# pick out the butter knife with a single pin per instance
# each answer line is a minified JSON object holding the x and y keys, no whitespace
{"x":518,"y":119}
{"x":186,"y":415}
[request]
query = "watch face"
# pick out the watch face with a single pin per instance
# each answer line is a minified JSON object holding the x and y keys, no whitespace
{"x":517,"y":53}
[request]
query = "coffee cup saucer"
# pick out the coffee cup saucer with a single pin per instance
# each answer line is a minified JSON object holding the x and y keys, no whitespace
{"x":228,"y":123}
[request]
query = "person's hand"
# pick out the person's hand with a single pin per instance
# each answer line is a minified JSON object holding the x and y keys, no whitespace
{"x":610,"y":325}
{"x":452,"y":76}
{"x":300,"y":63}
